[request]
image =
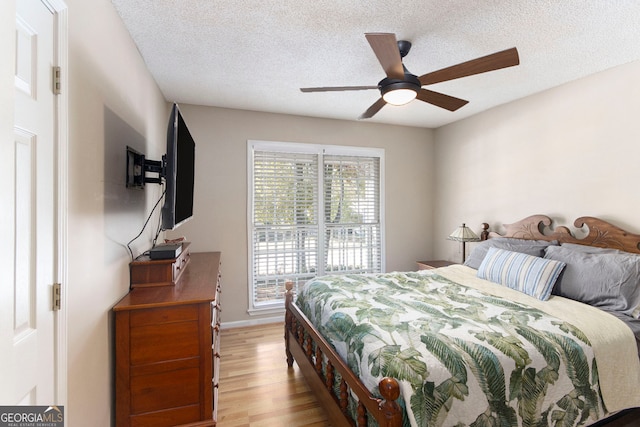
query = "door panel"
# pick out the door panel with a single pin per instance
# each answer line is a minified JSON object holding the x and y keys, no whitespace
{"x":34,"y":203}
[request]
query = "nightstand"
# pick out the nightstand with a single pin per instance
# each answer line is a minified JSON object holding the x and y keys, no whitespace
{"x":428,"y":265}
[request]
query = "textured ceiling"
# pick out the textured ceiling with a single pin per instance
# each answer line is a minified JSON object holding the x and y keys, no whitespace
{"x":255,"y":55}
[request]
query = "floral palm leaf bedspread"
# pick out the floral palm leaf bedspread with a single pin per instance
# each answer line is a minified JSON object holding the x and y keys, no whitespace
{"x":463,"y":357}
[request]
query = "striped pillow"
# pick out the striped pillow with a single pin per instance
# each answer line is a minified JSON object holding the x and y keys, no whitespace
{"x":532,"y":275}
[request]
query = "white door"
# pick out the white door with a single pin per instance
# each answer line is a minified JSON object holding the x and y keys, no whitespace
{"x":33,"y":361}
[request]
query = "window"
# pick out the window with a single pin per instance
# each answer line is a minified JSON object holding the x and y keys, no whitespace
{"x":313,"y":210}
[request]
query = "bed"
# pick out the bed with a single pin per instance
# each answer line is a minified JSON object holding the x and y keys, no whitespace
{"x":507,"y":354}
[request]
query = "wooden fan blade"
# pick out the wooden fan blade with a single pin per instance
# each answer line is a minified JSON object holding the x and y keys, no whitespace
{"x":336,"y":88}
{"x":495,"y":61}
{"x":371,"y":111}
{"x":441,"y":100}
{"x":385,"y":47}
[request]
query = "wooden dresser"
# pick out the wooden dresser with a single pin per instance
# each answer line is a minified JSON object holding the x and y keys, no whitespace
{"x":167,"y":349}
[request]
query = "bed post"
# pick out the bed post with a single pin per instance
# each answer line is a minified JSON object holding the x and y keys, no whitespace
{"x":288,"y":320}
{"x":484,"y":235}
{"x":390,"y":391}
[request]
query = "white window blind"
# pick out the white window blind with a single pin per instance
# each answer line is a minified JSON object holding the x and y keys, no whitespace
{"x":352,"y":214}
{"x":312,"y":212}
{"x":285,"y":222}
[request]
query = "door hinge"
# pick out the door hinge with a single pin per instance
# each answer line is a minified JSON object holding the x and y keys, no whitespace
{"x":56,"y":80}
{"x":56,"y":297}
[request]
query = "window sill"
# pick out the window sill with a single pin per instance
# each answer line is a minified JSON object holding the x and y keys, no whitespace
{"x":265,"y":311}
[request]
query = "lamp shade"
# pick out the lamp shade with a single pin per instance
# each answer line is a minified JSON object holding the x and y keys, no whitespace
{"x":464,"y":234}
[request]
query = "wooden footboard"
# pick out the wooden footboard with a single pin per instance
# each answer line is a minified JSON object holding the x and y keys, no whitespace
{"x":331,"y":379}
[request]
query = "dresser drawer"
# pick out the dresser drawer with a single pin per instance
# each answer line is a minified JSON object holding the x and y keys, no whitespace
{"x":215,"y":337}
{"x":215,"y":346}
{"x":164,"y":390}
{"x":161,"y":315}
{"x":154,"y":343}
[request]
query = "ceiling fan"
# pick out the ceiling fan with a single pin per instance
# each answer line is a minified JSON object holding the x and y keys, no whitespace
{"x":401,"y":87}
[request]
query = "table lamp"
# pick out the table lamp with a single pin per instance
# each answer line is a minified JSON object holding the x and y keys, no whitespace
{"x":464,"y":234}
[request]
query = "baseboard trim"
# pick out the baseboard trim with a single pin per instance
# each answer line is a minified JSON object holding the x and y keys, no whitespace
{"x":252,"y":322}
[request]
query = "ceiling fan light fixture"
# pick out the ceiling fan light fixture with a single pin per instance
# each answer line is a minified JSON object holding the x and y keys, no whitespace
{"x":399,"y":92}
{"x":399,"y":96}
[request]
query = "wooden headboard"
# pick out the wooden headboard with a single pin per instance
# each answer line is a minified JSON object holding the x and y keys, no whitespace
{"x":601,"y":233}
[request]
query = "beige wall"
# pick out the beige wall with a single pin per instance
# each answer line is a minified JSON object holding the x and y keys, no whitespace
{"x":567,"y":152}
{"x":220,"y":211}
{"x":113,"y":102}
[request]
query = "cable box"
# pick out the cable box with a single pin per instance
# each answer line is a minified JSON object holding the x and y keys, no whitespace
{"x":168,"y":251}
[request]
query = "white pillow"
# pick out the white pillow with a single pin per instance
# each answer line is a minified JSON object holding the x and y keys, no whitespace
{"x":529,"y":274}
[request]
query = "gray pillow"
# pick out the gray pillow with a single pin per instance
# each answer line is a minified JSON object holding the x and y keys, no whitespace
{"x":529,"y":247}
{"x":605,"y":279}
{"x":591,"y":249}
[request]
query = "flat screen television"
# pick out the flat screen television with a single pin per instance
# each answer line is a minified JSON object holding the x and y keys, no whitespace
{"x":179,"y":172}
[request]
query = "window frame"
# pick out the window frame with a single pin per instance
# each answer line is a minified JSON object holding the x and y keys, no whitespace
{"x":304,"y":148}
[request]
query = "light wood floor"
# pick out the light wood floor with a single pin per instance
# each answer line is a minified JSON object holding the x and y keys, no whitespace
{"x":256,"y":387}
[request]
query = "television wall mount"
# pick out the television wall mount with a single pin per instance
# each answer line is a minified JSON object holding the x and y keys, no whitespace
{"x":141,"y":171}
